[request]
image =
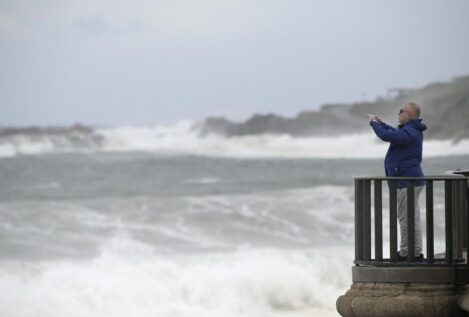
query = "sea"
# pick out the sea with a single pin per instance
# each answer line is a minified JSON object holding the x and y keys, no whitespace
{"x":160,"y":222}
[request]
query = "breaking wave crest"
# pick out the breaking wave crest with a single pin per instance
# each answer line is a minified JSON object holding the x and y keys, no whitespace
{"x":184,"y":139}
{"x":129,"y":279}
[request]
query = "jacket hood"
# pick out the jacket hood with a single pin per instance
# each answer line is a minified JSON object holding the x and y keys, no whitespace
{"x":416,"y":124}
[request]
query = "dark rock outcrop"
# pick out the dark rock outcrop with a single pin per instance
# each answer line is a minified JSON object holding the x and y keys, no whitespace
{"x":445,"y":109}
{"x":77,"y":136}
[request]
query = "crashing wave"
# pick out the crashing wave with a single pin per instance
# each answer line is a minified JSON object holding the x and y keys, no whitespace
{"x":184,"y":138}
{"x":39,"y":140}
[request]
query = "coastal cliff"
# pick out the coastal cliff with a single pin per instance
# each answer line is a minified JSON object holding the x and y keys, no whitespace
{"x":445,"y":109}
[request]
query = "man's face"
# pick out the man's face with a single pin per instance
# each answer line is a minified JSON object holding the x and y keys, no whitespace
{"x":405,"y":114}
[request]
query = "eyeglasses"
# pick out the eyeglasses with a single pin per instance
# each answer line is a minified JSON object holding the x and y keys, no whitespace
{"x":402,"y":110}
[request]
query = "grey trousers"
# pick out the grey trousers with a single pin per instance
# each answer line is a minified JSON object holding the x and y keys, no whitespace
{"x":402,"y":217}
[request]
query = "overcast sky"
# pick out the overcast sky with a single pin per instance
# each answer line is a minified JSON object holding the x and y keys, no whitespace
{"x":140,"y":62}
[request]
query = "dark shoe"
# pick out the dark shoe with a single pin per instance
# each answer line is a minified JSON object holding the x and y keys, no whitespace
{"x":401,"y":258}
{"x":418,"y":259}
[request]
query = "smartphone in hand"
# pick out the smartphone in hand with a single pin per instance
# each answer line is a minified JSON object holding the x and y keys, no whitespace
{"x":373,"y":117}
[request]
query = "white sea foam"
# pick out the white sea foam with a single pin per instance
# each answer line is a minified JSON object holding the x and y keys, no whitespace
{"x":7,"y":150}
{"x":297,"y":217}
{"x":182,"y":139}
{"x":146,"y":278}
{"x":131,"y":279}
{"x":202,"y":180}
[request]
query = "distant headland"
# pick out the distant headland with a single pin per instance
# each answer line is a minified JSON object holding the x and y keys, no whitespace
{"x":445,"y":109}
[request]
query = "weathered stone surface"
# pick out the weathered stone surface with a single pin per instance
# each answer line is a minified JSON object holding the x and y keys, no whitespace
{"x":400,"y":300}
{"x":409,"y":274}
{"x":464,"y":300}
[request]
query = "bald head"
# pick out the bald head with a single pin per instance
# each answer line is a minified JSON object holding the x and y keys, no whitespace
{"x":409,"y":111}
{"x":413,"y":108}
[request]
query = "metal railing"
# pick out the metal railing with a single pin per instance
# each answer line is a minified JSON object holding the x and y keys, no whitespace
{"x":456,"y":221}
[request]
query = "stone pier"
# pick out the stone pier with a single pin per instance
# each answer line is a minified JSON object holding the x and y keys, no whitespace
{"x":406,"y":292}
{"x":405,"y":287}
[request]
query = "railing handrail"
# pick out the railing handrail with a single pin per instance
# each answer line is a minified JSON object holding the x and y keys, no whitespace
{"x":456,"y":212}
{"x":428,"y":177}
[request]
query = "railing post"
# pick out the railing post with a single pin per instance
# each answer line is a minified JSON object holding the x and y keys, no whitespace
{"x":358,"y":220}
{"x":429,"y":216}
{"x":449,"y":221}
{"x":411,"y":221}
{"x":378,"y":220}
{"x":466,"y":221}
{"x":367,"y":220}
{"x":459,"y":204}
{"x":392,"y":220}
{"x":466,"y":215}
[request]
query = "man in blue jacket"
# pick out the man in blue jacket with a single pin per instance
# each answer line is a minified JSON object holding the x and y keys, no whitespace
{"x":403,"y":158}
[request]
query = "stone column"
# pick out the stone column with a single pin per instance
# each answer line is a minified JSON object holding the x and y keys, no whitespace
{"x":404,"y":292}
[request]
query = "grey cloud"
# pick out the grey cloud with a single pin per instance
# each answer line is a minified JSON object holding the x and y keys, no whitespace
{"x":144,"y":60}
{"x":96,"y":25}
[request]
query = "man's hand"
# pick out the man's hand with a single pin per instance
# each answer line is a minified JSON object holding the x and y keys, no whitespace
{"x":373,"y":117}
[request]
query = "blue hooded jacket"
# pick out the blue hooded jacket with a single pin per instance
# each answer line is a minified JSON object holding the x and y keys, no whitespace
{"x":404,"y":155}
